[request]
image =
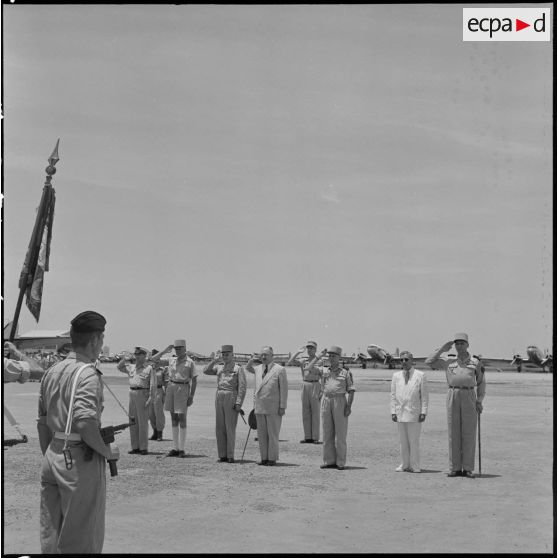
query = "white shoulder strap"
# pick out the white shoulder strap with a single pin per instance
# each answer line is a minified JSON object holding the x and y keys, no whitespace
{"x":72,"y":397}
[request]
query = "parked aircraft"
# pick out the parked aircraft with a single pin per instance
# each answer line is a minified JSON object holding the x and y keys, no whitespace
{"x":534,"y":356}
{"x":378,"y":355}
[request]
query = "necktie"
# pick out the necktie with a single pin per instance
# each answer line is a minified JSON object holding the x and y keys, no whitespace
{"x":406,"y":376}
{"x":265,"y":371}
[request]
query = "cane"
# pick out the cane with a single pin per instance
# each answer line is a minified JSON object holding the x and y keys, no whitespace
{"x":479,"y":426}
{"x":251,"y":420}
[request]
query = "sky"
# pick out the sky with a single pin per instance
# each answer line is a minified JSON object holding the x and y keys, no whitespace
{"x":254,"y":175}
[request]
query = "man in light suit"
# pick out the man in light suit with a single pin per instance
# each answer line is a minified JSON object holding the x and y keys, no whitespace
{"x":270,"y":402}
{"x":409,"y":406}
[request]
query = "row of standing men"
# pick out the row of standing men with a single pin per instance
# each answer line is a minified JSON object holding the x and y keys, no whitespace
{"x":73,"y":481}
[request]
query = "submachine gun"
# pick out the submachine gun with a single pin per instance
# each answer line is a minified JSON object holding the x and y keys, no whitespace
{"x":107,"y":433}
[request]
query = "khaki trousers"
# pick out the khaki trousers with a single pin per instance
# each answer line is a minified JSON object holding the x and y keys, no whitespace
{"x":462,"y":428}
{"x":335,"y":425}
{"x":409,"y":438}
{"x":225,"y":422}
{"x":268,"y":436}
{"x":157,"y":412}
{"x":310,"y":395}
{"x":140,"y":430}
{"x":72,"y":513}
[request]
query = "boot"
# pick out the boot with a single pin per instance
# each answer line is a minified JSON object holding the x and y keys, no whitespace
{"x":154,"y":435}
{"x":159,"y":435}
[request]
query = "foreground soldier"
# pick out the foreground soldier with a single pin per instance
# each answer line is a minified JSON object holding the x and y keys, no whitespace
{"x":143,"y":386}
{"x":156,"y":408}
{"x":409,"y":406}
{"x":270,"y":402}
{"x":180,"y":391}
{"x":337,"y":383}
{"x":73,"y":488}
{"x":231,"y":390}
{"x":18,"y":367}
{"x":311,"y":392}
{"x":463,"y":374}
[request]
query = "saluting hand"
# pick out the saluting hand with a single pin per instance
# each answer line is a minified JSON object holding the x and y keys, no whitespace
{"x":447,"y":346}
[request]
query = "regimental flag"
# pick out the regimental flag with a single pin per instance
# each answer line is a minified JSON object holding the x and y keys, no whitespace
{"x":36,"y":259}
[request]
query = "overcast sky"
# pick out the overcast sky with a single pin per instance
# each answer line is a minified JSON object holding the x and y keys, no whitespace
{"x":254,"y":175}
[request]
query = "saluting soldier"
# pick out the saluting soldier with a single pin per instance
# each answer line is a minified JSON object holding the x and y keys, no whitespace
{"x":311,"y":392}
{"x":463,"y":374}
{"x":338,"y":395}
{"x":156,"y":409}
{"x":181,"y":388}
{"x":143,"y":386}
{"x":231,"y":390}
{"x":73,"y":488}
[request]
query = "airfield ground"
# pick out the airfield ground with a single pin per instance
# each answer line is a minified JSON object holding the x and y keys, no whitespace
{"x":158,"y":504}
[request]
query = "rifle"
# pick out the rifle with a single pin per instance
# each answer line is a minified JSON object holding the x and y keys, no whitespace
{"x":107,"y":433}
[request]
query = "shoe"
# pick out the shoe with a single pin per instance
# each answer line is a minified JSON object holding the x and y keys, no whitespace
{"x":230,"y":460}
{"x":307,"y":441}
{"x":270,"y":463}
{"x":154,"y":435}
{"x":222,"y":460}
{"x":330,"y":466}
{"x":173,"y":453}
{"x":468,"y":474}
{"x":340,"y":467}
{"x":181,"y":453}
{"x":400,"y":469}
{"x":143,"y":452}
{"x":159,"y":435}
{"x":317,"y":442}
{"x":262,"y":462}
{"x":454,"y":474}
{"x":134,"y":451}
{"x":414,"y":470}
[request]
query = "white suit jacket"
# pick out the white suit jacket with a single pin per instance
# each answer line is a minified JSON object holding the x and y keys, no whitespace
{"x":270,"y":392}
{"x":411,"y":400}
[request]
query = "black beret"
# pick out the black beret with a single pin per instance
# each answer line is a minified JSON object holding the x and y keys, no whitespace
{"x":88,"y":321}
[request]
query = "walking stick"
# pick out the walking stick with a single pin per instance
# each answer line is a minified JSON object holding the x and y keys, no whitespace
{"x":479,"y":426}
{"x":251,"y":421}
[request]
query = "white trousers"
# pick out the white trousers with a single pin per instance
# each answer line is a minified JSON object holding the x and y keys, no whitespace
{"x":409,"y":439}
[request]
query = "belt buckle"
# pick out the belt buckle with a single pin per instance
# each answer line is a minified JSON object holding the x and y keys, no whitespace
{"x":67,"y":458}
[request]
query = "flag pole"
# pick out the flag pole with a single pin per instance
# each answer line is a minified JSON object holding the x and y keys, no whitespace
{"x":32,"y":256}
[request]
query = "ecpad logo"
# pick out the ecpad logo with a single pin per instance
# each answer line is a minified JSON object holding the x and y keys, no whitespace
{"x":506,"y":24}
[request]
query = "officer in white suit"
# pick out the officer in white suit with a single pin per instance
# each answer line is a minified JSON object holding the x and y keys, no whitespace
{"x":409,"y":406}
{"x":270,"y":402}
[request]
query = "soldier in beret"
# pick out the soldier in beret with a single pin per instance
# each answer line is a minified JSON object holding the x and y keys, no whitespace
{"x":73,"y":488}
{"x":231,"y":390}
{"x":463,"y":374}
{"x":143,"y":390}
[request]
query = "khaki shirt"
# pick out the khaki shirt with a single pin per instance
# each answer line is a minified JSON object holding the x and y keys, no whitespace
{"x":310,"y":373}
{"x":233,"y":380}
{"x":337,"y":382}
{"x":56,"y":388}
{"x":140,"y":376}
{"x":183,"y":370}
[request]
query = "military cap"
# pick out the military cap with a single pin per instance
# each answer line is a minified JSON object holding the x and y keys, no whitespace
{"x":335,"y":350}
{"x":88,"y":321}
{"x":142,"y":350}
{"x":180,"y":343}
{"x":461,"y":337}
{"x":312,"y":344}
{"x":227,"y":349}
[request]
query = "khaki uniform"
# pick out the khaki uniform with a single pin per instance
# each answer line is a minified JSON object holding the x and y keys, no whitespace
{"x":142,"y":386}
{"x":335,"y":385}
{"x":180,"y":373}
{"x":156,"y":408}
{"x":231,"y":390}
{"x":310,"y":395}
{"x":462,"y":377}
{"x":72,"y":513}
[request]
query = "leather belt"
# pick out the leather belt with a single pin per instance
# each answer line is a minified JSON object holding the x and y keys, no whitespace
{"x":311,"y":381}
{"x":330,"y":395}
{"x":159,"y":386}
{"x":73,"y":437}
{"x":137,"y":388}
{"x":460,"y":387}
{"x":173,"y":382}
